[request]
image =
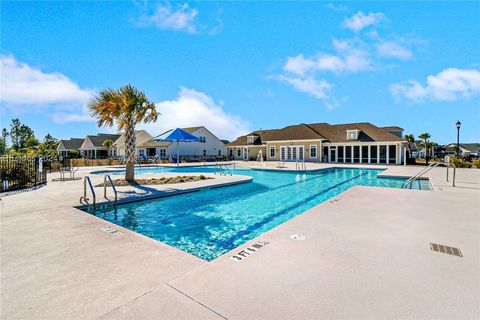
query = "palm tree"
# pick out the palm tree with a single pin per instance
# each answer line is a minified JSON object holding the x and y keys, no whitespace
{"x":410,"y":138}
{"x":108,"y":144}
{"x":425,"y":136}
{"x":125,"y":107}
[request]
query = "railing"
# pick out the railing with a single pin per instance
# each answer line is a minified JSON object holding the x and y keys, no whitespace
{"x":107,"y":176}
{"x":300,"y":166}
{"x":419,"y":174}
{"x":222,"y":169}
{"x":84,"y":197}
{"x":454,"y":171}
{"x":21,"y":173}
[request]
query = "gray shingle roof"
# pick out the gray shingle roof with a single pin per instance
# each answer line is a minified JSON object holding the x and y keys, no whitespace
{"x":73,"y":143}
{"x":324,"y":131}
{"x":101,"y":137}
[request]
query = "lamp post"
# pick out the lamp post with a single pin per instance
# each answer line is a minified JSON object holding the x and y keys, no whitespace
{"x":458,"y":124}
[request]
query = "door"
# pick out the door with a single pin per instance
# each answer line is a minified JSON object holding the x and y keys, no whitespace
{"x":295,"y":153}
{"x":283,"y":153}
{"x":333,"y":154}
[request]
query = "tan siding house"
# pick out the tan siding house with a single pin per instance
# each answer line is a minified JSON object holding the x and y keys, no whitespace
{"x":322,"y":142}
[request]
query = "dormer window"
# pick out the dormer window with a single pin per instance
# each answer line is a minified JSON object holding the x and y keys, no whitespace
{"x":353,"y":134}
{"x":251,"y":139}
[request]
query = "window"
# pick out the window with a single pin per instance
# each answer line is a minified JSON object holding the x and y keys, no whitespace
{"x":231,"y":152}
{"x":340,"y":154}
{"x":373,"y":154}
{"x":282,"y":153}
{"x":356,"y":154}
{"x":352,"y":134}
{"x":289,"y":153}
{"x":348,"y":153}
{"x":313,"y":151}
{"x":239,"y":152}
{"x":383,"y":154}
{"x":141,"y":152}
{"x":272,"y":152}
{"x":392,"y":154}
{"x":163,"y":152}
{"x":202,"y":139}
{"x":251,"y":139}
{"x":219,"y":153}
{"x":365,"y":154}
{"x":204,"y":153}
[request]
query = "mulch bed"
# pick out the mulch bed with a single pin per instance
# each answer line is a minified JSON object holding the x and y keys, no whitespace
{"x":154,"y":181}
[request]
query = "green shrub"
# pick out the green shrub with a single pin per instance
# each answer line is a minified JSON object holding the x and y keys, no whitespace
{"x":202,"y":177}
{"x":459,"y":162}
{"x":476,"y":163}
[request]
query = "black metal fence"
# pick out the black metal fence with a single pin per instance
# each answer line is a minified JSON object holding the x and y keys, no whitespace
{"x":22,"y":172}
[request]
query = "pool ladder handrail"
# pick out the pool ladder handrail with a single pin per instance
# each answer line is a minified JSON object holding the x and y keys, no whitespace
{"x":107,"y":176}
{"x":448,"y":164}
{"x":84,"y":197}
{"x":300,"y":166}
{"x":419,"y":174}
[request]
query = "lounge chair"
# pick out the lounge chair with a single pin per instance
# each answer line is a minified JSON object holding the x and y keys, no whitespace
{"x":281,"y":165}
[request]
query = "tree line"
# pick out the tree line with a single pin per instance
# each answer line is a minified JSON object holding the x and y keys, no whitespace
{"x":24,"y":143}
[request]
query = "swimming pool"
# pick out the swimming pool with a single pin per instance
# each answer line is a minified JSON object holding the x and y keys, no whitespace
{"x":210,"y":223}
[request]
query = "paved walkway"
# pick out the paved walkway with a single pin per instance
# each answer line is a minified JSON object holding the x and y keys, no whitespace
{"x":366,"y":255}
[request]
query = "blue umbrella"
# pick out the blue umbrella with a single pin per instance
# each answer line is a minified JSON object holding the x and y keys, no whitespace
{"x":178,"y":135}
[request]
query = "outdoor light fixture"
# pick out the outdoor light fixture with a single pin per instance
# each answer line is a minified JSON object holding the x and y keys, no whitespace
{"x":458,"y":124}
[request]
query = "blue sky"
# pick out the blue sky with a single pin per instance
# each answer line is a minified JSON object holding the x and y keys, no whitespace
{"x":241,"y":66}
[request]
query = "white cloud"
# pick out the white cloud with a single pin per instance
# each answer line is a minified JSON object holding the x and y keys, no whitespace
{"x":182,"y":18}
{"x":316,"y":88}
{"x":392,"y":49}
{"x":360,"y":20}
{"x":351,"y":56}
{"x":448,"y":85}
{"x":24,"y":85}
{"x":193,"y":108}
{"x":164,"y":17}
{"x":337,"y":7}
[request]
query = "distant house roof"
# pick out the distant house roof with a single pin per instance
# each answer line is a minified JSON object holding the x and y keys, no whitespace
{"x":225,"y":141}
{"x":72,"y":144}
{"x":392,"y":128}
{"x":469,"y":147}
{"x":191,"y":129}
{"x":320,"y":131}
{"x":101,"y":137}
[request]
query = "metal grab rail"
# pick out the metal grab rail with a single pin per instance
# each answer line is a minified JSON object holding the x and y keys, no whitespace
{"x":84,"y":197}
{"x":107,"y":176}
{"x":419,"y":174}
{"x":300,"y":166}
{"x":454,"y":171}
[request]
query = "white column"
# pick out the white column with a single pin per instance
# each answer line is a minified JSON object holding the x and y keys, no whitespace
{"x":388,"y":154}
{"x":336,"y":154}
{"x":398,"y":150}
{"x":351,"y":154}
{"x":360,"y":153}
{"x":378,"y":153}
{"x":369,"y":154}
{"x":404,"y":156}
{"x":344,"y":154}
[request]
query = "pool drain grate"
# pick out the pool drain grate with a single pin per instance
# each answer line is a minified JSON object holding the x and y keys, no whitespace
{"x":445,"y":249}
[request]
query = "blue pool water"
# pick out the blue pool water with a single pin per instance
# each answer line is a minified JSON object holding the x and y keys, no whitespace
{"x":209,"y":223}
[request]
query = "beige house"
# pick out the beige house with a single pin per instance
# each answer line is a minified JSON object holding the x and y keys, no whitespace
{"x":141,"y":136}
{"x":322,"y":142}
{"x":92,"y":146}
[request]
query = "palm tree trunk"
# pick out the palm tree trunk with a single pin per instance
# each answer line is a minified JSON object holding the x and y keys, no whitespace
{"x":130,"y":152}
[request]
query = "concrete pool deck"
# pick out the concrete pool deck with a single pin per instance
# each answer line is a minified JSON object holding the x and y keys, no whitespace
{"x":366,"y":255}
